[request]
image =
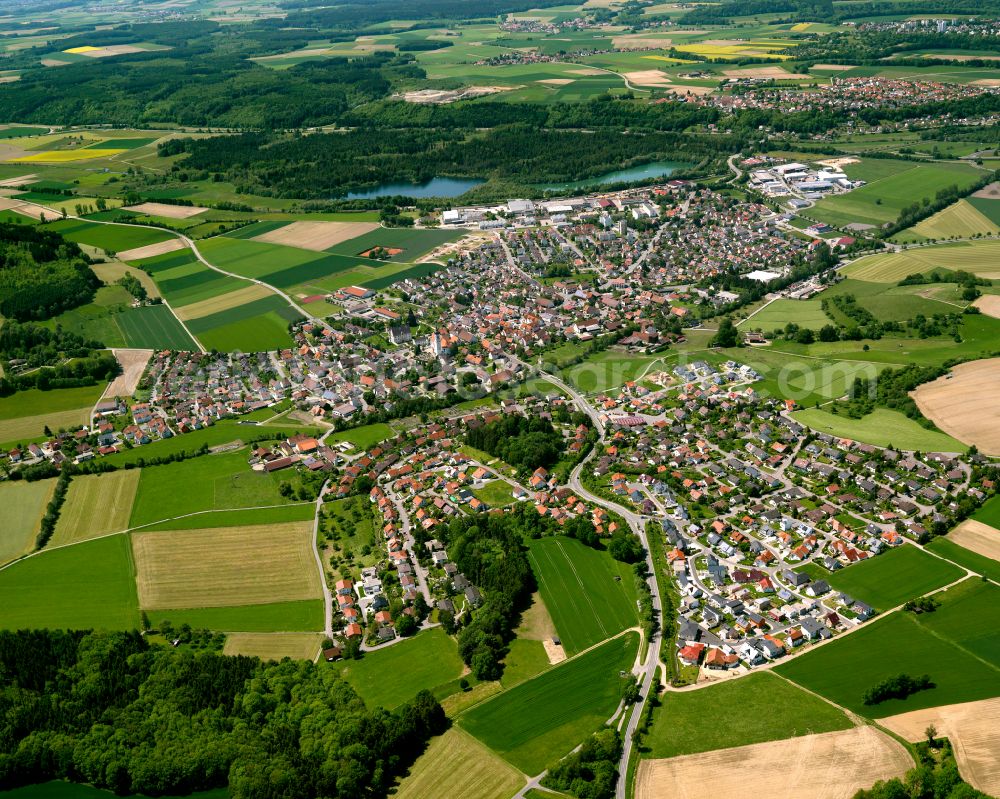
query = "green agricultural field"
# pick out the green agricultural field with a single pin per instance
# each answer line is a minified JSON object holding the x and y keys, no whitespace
{"x":112,"y":238}
{"x":892,"y":186}
{"x":775,"y":315}
{"x":539,"y":721}
{"x":969,"y":615}
{"x":267,"y":332}
{"x":413,"y":243}
{"x":385,"y":278}
{"x":966,"y":557}
{"x":302,"y":615}
{"x":13,"y":133}
{"x":301,"y":512}
{"x":456,"y":764}
{"x":894,"y":577}
{"x":989,"y":513}
{"x":844,"y":669}
{"x":987,"y":206}
{"x":153,"y":327}
{"x":96,"y":320}
{"x":25,"y":414}
{"x":579,"y":587}
{"x":394,"y":675}
{"x":882,"y":427}
{"x":895,"y":303}
{"x":979,"y":257}
{"x":86,"y":585}
{"x":526,"y":659}
{"x":959,"y":220}
{"x":211,"y":482}
{"x":758,"y":708}
{"x":96,"y":504}
{"x":23,"y":507}
{"x":182,"y":279}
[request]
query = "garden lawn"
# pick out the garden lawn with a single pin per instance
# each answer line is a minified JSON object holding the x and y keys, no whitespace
{"x":496,"y":494}
{"x":303,"y":615}
{"x":77,"y":587}
{"x":845,"y":669}
{"x":23,"y":507}
{"x":210,"y":482}
{"x":395,"y":674}
{"x":578,"y":586}
{"x":541,"y":720}
{"x":883,"y":428}
{"x":894,"y":577}
{"x":754,"y":709}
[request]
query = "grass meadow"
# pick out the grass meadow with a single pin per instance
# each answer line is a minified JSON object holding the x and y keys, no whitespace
{"x":754,"y":709}
{"x":153,"y":327}
{"x":87,"y":585}
{"x":112,"y":238}
{"x":302,"y":615}
{"x":456,"y":764}
{"x":966,"y":557}
{"x":898,"y":643}
{"x":882,"y":427}
{"x":300,"y":512}
{"x":894,"y":577}
{"x":804,"y":313}
{"x":23,"y":506}
{"x":578,"y":586}
{"x":394,"y":675}
{"x":541,"y":720}
{"x":96,"y":504}
{"x":25,"y":414}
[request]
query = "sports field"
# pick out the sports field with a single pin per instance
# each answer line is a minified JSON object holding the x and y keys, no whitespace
{"x":23,"y":507}
{"x":882,"y":427}
{"x":457,"y":765}
{"x":153,"y":327}
{"x":844,"y":669}
{"x":302,"y":615}
{"x":225,"y":566}
{"x":979,"y":257}
{"x":87,"y":585}
{"x":804,"y":313}
{"x":394,"y":675}
{"x":894,"y":577}
{"x":212,"y":482}
{"x":96,"y":504}
{"x":758,"y":708}
{"x":274,"y":646}
{"x":578,"y":586}
{"x":539,"y":721}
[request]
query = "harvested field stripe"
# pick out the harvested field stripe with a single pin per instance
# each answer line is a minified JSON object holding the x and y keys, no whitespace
{"x":223,"y":302}
{"x":96,"y":504}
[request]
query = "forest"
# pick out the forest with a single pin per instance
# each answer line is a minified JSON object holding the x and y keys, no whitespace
{"x":111,"y":710}
{"x":41,"y":274}
{"x":524,"y":442}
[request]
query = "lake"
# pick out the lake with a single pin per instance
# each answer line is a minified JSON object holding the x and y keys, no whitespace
{"x":436,"y":187}
{"x":58,"y":789}
{"x":657,"y":169}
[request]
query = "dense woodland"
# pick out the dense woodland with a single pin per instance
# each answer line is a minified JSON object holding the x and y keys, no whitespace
{"x":525,"y":442}
{"x":109,"y":709}
{"x":41,"y":274}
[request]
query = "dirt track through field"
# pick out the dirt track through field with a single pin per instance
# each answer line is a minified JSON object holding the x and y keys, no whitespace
{"x":972,"y":729}
{"x":318,"y":236}
{"x":832,"y":765}
{"x":252,"y":564}
{"x":151,"y":250}
{"x":967,"y":404}
{"x":978,"y":537}
{"x":133,"y":364}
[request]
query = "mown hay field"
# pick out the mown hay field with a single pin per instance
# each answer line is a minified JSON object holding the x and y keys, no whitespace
{"x":979,"y":257}
{"x":23,"y":506}
{"x":274,"y":646}
{"x":96,"y":504}
{"x":458,"y":766}
{"x":226,"y":566}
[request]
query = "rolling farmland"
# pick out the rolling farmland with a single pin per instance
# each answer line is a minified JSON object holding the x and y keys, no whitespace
{"x":978,"y":257}
{"x":23,"y":507}
{"x":96,"y":504}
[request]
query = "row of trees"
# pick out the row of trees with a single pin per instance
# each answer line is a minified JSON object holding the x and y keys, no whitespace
{"x":194,"y":721}
{"x":899,"y":686}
